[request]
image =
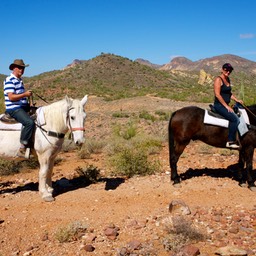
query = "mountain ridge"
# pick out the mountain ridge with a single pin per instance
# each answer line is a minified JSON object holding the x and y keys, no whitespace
{"x":114,"y":77}
{"x":208,"y":64}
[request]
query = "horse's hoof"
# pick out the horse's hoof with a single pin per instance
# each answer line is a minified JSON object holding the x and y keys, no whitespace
{"x":48,"y":199}
{"x":177,"y":185}
{"x":252,"y":188}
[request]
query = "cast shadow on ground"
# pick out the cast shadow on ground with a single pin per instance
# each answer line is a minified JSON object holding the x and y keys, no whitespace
{"x":64,"y":185}
{"x":60,"y":186}
{"x":229,"y":172}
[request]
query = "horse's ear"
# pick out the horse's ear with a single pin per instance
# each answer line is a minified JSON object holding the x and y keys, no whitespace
{"x":84,"y":100}
{"x":68,"y":100}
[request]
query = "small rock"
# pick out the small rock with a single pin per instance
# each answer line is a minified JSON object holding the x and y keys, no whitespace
{"x":134,"y":245}
{"x":179,"y":206}
{"x":111,"y":232}
{"x":89,"y":238}
{"x":89,"y":248}
{"x":234,"y":230}
{"x":231,"y":251}
{"x":188,"y":250}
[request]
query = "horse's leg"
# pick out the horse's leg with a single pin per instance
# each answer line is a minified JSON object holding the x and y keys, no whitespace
{"x":241,"y":163}
{"x":249,"y":159}
{"x":45,"y":183}
{"x":175,"y":154}
{"x":49,"y":176}
{"x":176,"y":147}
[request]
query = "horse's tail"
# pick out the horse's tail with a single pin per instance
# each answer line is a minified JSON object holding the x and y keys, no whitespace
{"x":171,"y":137}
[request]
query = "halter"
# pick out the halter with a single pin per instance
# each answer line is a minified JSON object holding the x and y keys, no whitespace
{"x":62,"y":135}
{"x":73,"y":129}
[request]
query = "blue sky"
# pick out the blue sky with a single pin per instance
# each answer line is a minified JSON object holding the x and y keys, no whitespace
{"x":50,"y":34}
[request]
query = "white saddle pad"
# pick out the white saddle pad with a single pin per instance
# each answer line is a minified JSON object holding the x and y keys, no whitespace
{"x":17,"y":126}
{"x":242,"y":127}
{"x":7,"y":127}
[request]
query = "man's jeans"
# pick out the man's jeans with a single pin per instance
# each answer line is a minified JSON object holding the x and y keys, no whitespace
{"x":233,"y":120}
{"x":22,"y":117}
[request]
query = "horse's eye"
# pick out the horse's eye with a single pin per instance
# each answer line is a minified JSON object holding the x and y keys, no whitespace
{"x":72,"y":118}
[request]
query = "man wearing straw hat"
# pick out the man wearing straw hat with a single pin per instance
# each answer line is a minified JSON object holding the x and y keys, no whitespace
{"x":17,"y":105}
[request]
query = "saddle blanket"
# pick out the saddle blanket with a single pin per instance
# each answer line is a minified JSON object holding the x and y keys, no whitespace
{"x":242,"y":127}
{"x":17,"y":126}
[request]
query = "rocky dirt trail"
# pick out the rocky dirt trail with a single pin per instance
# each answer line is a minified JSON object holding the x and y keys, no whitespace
{"x":131,"y":216}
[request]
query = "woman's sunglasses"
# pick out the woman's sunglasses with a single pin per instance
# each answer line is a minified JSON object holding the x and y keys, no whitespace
{"x":228,"y":70}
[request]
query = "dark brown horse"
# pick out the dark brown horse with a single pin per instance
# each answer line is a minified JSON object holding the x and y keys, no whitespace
{"x":187,"y":124}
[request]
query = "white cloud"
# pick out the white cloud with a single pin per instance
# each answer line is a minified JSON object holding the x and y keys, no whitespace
{"x":247,"y":36}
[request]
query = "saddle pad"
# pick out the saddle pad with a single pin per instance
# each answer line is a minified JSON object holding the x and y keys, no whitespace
{"x":12,"y":127}
{"x":209,"y":119}
{"x":17,"y":126}
{"x":242,"y":127}
{"x":40,"y":116}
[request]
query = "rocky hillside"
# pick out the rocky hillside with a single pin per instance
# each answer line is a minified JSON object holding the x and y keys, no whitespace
{"x":211,"y":64}
{"x":115,"y":77}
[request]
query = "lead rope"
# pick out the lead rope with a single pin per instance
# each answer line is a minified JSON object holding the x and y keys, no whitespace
{"x":249,"y":110}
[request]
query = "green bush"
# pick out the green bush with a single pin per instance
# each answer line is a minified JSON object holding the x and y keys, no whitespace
{"x":120,"y":115}
{"x":133,"y":161}
{"x":129,"y":149}
{"x":181,"y":233}
{"x":90,"y":173}
{"x":71,"y":232}
{"x":8,"y":167}
{"x":127,"y":132}
{"x":91,"y":146}
{"x":147,"y":116}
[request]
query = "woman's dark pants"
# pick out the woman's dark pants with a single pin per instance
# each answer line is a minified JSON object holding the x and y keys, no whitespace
{"x":233,"y":120}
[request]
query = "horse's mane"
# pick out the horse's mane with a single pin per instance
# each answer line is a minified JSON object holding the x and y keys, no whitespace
{"x":55,"y":114}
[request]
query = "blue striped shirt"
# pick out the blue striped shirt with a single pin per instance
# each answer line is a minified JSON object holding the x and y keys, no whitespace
{"x":12,"y":84}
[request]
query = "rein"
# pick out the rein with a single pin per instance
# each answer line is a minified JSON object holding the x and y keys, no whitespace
{"x":249,"y":110}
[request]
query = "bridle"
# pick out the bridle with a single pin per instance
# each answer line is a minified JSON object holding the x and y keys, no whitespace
{"x":72,"y":129}
{"x":62,"y":135}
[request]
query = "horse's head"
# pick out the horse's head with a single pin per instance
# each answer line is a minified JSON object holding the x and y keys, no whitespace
{"x":76,"y":118}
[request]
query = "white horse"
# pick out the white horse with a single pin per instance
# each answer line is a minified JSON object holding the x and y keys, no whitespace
{"x":55,"y":120}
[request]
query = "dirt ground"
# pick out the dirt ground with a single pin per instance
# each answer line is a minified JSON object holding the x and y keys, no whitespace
{"x":135,"y":211}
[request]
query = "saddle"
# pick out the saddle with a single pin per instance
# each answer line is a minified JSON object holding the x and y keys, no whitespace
{"x":213,"y":112}
{"x":6,"y":118}
{"x":213,"y":118}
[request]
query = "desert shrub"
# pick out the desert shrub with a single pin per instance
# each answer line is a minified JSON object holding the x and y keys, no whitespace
{"x":31,"y":164}
{"x":91,"y":146}
{"x":68,"y":145}
{"x":90,"y":173}
{"x":164,"y":116}
{"x":71,"y":232}
{"x":181,"y":233}
{"x":131,"y":157}
{"x":8,"y":167}
{"x":133,"y":161}
{"x":120,"y":115}
{"x":147,"y":116}
{"x":127,"y":132}
{"x":152,"y":144}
